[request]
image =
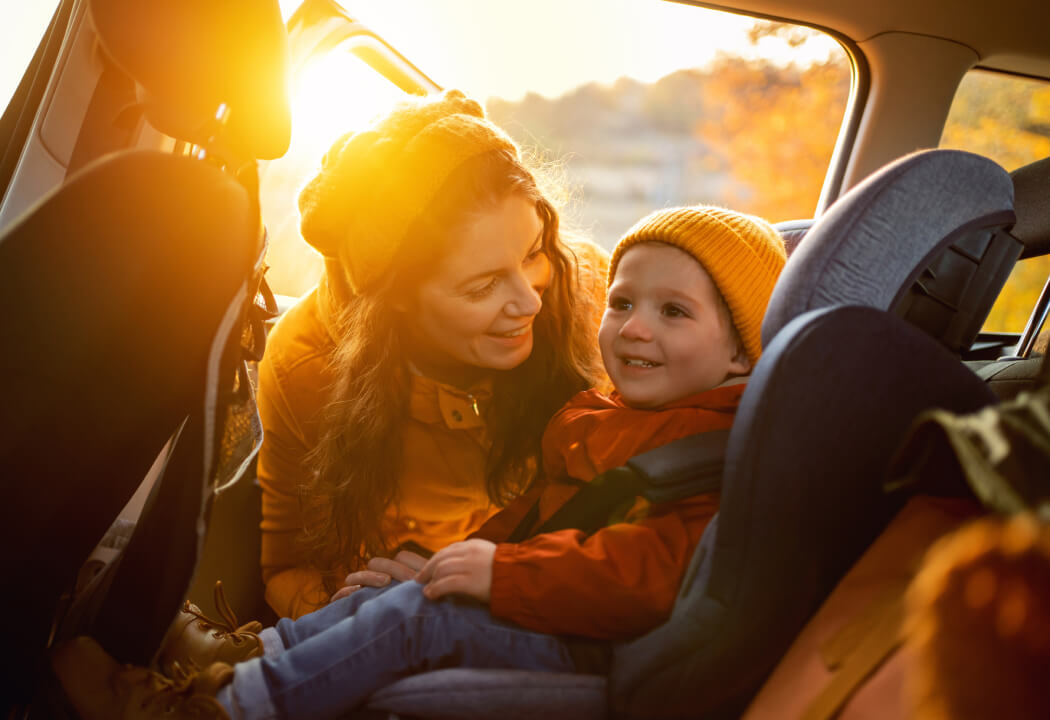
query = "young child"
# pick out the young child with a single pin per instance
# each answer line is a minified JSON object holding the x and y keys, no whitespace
{"x":688,"y":288}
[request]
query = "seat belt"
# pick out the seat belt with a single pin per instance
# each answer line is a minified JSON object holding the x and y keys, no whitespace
{"x":680,"y":469}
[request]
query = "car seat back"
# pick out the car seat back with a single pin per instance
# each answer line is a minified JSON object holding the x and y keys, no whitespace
{"x":128,"y":289}
{"x":115,"y":288}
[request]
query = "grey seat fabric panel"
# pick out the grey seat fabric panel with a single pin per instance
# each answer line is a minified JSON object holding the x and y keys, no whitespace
{"x":874,"y":240}
{"x":1032,"y":191}
{"x":792,"y":232}
{"x":469,"y":694}
{"x":1007,"y":378}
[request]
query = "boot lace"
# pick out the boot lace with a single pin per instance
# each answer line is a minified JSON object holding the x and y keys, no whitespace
{"x":178,"y":693}
{"x":228,"y":626}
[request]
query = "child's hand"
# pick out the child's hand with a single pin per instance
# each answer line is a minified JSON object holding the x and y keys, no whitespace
{"x":464,"y":568}
{"x":402,"y":566}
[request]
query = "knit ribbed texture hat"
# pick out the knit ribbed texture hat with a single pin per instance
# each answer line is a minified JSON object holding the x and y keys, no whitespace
{"x":375,"y":183}
{"x":743,"y":254}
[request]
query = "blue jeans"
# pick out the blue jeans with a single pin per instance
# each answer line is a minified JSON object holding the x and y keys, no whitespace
{"x":335,"y":658}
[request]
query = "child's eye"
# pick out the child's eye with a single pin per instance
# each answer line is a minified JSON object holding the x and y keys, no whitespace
{"x":619,"y":303}
{"x":674,"y":311}
{"x":482,"y":292}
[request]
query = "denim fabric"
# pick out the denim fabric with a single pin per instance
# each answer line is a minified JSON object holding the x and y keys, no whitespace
{"x":335,"y":658}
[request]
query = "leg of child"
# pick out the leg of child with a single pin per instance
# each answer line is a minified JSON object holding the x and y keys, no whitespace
{"x":288,"y":633}
{"x":397,"y":634}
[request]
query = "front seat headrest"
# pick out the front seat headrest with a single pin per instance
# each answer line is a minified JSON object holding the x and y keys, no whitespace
{"x":1032,"y":203}
{"x":188,"y":57}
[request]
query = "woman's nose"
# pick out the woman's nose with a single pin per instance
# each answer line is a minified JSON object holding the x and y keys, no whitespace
{"x":528,"y":291}
{"x":526,"y":301}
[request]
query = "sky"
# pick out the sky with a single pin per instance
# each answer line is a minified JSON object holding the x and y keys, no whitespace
{"x":22,"y":24}
{"x":506,"y":49}
{"x":499,"y":47}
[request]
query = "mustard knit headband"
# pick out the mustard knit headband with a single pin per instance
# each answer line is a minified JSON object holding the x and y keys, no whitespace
{"x":376,"y":183}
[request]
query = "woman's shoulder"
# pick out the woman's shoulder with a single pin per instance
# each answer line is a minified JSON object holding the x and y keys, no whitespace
{"x":299,"y":340}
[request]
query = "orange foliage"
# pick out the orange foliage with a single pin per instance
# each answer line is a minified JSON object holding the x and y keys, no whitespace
{"x":774,"y":129}
{"x":1006,"y":119}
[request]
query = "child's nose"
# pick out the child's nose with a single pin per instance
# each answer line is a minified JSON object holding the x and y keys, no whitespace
{"x":635,"y":328}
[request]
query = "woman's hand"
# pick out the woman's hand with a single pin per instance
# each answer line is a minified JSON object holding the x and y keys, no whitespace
{"x":463,"y":568}
{"x":402,"y":566}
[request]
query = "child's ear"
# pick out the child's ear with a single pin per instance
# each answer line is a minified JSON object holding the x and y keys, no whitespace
{"x":740,"y":363}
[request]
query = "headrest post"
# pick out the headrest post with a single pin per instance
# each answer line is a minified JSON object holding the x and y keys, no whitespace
{"x":1036,"y":321}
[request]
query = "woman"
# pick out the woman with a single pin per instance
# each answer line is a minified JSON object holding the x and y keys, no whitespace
{"x":403,"y":400}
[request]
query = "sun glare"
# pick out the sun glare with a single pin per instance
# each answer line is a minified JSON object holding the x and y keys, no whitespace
{"x":333,"y":94}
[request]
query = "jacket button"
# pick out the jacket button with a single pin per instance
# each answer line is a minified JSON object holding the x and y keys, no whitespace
{"x":457,"y":416}
{"x":411,"y":523}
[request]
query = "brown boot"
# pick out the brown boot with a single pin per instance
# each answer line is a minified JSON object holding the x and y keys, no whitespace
{"x":100,"y":688}
{"x":196,"y":641}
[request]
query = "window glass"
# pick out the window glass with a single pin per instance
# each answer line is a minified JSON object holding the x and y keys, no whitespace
{"x":1017,"y":299}
{"x":22,"y":28}
{"x":633,"y":105}
{"x":1005,"y":118}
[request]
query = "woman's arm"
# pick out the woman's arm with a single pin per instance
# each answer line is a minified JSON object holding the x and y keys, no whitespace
{"x":290,"y":399}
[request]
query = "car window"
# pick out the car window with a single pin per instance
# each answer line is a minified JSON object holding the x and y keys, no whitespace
{"x":1006,"y":118}
{"x":22,"y":28}
{"x":669,"y":104}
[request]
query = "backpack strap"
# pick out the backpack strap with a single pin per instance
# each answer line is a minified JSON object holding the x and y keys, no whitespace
{"x":683,"y":468}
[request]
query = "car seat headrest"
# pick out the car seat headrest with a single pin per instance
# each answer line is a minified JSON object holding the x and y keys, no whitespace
{"x":1032,"y":204}
{"x":189,"y":57}
{"x":923,"y":237}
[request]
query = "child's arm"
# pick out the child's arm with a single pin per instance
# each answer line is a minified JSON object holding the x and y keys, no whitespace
{"x":614,"y":585}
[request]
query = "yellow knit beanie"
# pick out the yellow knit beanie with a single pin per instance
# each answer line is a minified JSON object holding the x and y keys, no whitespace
{"x":742,"y":253}
{"x":375,"y":183}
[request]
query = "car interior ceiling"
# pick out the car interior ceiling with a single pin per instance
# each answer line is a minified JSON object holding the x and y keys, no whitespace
{"x":136,"y":102}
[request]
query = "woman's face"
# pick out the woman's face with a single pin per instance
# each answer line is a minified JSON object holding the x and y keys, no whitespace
{"x":475,"y":311}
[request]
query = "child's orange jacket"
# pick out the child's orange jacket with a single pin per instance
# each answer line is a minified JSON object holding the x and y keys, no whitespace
{"x":621,"y":581}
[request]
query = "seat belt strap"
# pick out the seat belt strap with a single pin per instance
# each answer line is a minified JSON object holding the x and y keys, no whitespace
{"x":686,"y":467}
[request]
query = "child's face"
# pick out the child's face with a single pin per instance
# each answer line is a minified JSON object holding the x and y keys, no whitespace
{"x":665,"y":334}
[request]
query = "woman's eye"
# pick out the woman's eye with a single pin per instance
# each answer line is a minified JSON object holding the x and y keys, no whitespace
{"x":674,"y":311}
{"x":535,"y":254}
{"x":619,"y":303}
{"x":483,"y":291}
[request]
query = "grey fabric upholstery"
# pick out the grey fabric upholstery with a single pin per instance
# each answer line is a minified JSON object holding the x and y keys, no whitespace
{"x":792,"y":231}
{"x":1007,"y":378}
{"x":1032,"y":204}
{"x":875,"y":240}
{"x":465,"y":694}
